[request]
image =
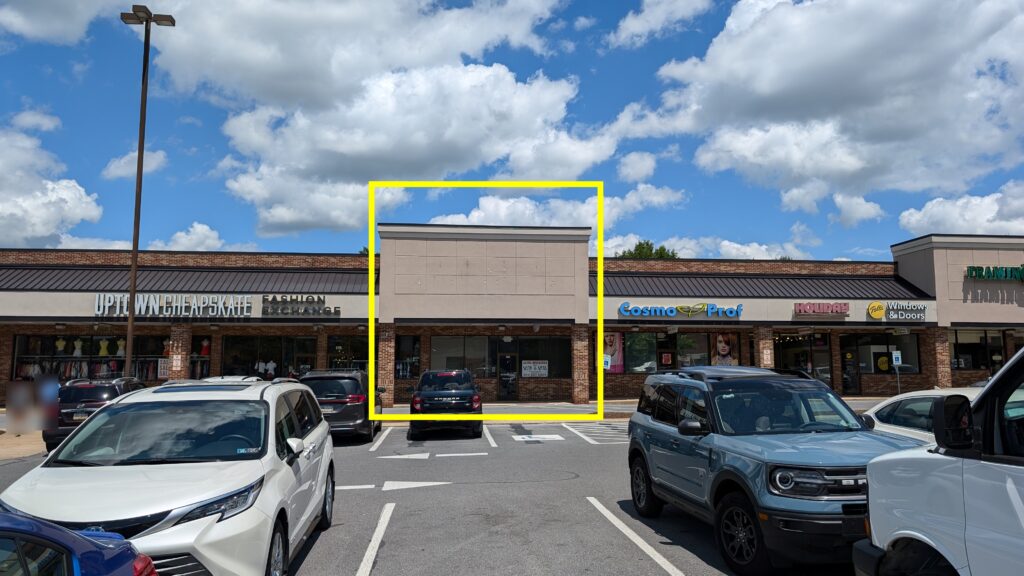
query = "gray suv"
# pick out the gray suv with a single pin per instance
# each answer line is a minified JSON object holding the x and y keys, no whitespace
{"x":344,"y":399}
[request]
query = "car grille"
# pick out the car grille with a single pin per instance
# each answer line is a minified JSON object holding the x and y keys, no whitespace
{"x":179,"y":565}
{"x":128,"y":528}
{"x":846,"y":483}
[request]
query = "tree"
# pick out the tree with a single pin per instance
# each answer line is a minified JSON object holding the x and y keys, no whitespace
{"x":785,"y":258}
{"x":364,"y":251}
{"x":646,"y":249}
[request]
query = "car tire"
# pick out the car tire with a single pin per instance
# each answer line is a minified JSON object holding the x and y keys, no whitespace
{"x":645,"y":501}
{"x":911,"y":558}
{"x":739,"y":537}
{"x":477,"y":431}
{"x":413,"y":435}
{"x":327,"y":507}
{"x":277,"y":554}
{"x":368,"y":437}
{"x":50,"y":447}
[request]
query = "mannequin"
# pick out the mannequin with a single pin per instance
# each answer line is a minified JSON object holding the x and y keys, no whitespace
{"x":60,"y":343}
{"x":120,"y":347}
{"x":271,"y":367}
{"x":167,"y":347}
{"x":103,"y":347}
{"x":78,"y":347}
{"x":205,"y":349}
{"x":261,"y":367}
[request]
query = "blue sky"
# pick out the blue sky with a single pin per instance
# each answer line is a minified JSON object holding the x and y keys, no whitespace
{"x":825,"y":129}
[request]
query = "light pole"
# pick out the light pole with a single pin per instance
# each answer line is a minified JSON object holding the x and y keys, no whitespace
{"x":140,"y":15}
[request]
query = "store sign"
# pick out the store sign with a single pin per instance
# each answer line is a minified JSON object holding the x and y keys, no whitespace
{"x":535,"y":368}
{"x":821,"y":309}
{"x":897,"y":311}
{"x":298,"y":305}
{"x":701,"y":310}
{"x":995,"y":273}
{"x":159,"y":305}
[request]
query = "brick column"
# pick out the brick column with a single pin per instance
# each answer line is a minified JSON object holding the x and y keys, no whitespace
{"x":6,"y":361}
{"x":580,"y":363}
{"x":321,"y":350}
{"x":181,"y":348}
{"x":386,"y":362}
{"x":216,"y":351}
{"x":1011,"y":345}
{"x":835,"y":348}
{"x":936,"y":360}
{"x":764,"y":347}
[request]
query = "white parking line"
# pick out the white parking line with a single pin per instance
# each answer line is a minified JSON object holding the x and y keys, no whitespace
{"x":490,"y":439}
{"x":636,"y":539}
{"x":576,"y":432}
{"x":380,"y":439}
{"x":355,"y":487}
{"x":601,"y":433}
{"x":371,"y":551}
{"x":462,"y":454}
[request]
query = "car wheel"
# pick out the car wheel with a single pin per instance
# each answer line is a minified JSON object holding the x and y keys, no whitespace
{"x":478,"y":431}
{"x":327,"y":510}
{"x":647,"y":504}
{"x":911,"y":558}
{"x":370,"y":433}
{"x":413,"y":435}
{"x":51,"y":447}
{"x":277,"y":556}
{"x":739,"y":537}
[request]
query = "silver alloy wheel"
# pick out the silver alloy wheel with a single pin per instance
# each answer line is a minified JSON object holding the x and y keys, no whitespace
{"x":738,"y":535}
{"x":329,"y":498}
{"x":277,"y":554}
{"x":639,"y":486}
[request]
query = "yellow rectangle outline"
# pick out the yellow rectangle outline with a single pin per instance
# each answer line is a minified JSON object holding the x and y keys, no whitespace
{"x":371,"y":317}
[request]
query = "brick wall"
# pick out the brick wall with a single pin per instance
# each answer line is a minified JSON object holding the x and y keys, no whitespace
{"x":183,"y":259}
{"x":799,"y":267}
{"x":580,"y":383}
{"x":386,"y":359}
{"x":181,"y":348}
{"x":964,"y":378}
{"x":764,"y":347}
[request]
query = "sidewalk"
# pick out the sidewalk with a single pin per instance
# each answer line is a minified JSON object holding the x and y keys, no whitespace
{"x":612,"y":408}
{"x":29,"y":444}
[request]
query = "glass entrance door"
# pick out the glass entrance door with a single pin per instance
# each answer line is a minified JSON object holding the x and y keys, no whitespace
{"x":508,"y":372}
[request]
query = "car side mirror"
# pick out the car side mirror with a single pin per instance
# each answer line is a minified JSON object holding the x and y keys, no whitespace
{"x":295,"y":447}
{"x":868,"y":421}
{"x":953,"y":422}
{"x":689,"y":427}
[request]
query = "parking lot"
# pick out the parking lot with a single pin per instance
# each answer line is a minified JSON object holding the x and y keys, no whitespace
{"x":524,"y":499}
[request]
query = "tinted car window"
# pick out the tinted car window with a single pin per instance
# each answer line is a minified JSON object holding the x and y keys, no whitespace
{"x":782,"y":411}
{"x":648,"y":398}
{"x":284,"y":427}
{"x":315,"y":407}
{"x":914,"y":413}
{"x":43,"y":560}
{"x":10,"y":563}
{"x":666,"y":408}
{"x":1011,"y":415}
{"x":885,"y":414}
{"x":693,"y":405}
{"x":303,"y":412}
{"x":334,"y":388}
{"x":73,"y":394}
{"x":438,"y":381}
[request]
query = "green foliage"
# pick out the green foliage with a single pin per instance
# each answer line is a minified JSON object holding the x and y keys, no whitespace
{"x":646,"y":249}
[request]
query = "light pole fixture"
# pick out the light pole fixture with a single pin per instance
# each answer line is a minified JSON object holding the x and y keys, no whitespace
{"x":140,"y":15}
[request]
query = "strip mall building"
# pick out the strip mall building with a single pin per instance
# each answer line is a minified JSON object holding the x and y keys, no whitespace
{"x":518,"y":307}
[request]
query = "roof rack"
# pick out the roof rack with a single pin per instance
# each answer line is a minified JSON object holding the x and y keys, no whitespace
{"x":284,"y":381}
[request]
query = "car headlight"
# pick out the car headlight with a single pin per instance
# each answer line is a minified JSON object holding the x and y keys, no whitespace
{"x":798,"y":482}
{"x":227,"y":506}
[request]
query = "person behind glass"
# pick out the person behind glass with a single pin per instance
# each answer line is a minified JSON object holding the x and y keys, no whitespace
{"x":723,"y":351}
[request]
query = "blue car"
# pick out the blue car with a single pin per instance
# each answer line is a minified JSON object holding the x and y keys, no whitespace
{"x":38,"y":548}
{"x":775,"y":462}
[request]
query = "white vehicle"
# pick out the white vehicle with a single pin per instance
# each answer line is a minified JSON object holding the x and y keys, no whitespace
{"x":232,"y":379}
{"x":206,"y":478}
{"x":910,"y":414}
{"x":957,"y":507}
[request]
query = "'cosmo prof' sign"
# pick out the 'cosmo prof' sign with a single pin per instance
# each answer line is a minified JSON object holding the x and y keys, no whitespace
{"x":685,"y":311}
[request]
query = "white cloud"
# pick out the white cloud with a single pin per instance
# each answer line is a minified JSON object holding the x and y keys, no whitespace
{"x":802,"y":235}
{"x":715,"y":247}
{"x":855,"y":209}
{"x":58,"y":21}
{"x":756,"y":251}
{"x":841,"y":259}
{"x":67,"y":241}
{"x":868,"y":252}
{"x":35,"y":120}
{"x":615,"y":244}
{"x":1001,"y":212}
{"x":125,"y":166}
{"x":637,"y":166}
{"x":35,"y":206}
{"x":584,"y":22}
{"x":524,"y":211}
{"x":199,"y":237}
{"x":846,"y":97}
{"x":655,"y":18}
{"x":79,"y":69}
{"x":190,"y":120}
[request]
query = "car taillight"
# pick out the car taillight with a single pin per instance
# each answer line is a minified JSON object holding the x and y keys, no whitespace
{"x":356,"y":398}
{"x":417,"y":403}
{"x":143,"y":566}
{"x":476,"y":401}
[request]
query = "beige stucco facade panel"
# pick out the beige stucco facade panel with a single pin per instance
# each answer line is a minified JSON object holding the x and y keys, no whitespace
{"x":529,"y":285}
{"x":558,"y":250}
{"x":1011,"y":258}
{"x":437,"y":284}
{"x":501,"y":249}
{"x":472,"y":266}
{"x":410,"y":283}
{"x":501,"y":266}
{"x":511,"y":308}
{"x":563,"y":285}
{"x":559,"y":266}
{"x":442,"y":265}
{"x":410,"y":247}
{"x":530,"y":266}
{"x":471,"y":284}
{"x":501,"y":284}
{"x":411,"y":265}
{"x":471,"y":248}
{"x":530,"y":249}
{"x":442,"y":248}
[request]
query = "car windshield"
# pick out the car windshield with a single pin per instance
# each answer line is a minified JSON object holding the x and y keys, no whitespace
{"x":782,"y":411}
{"x":333,"y":388}
{"x":438,"y":381}
{"x":168,"y":432}
{"x":87,"y":393}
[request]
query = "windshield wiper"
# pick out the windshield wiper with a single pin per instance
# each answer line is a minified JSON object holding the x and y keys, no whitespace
{"x":62,"y":462}
{"x":149,"y":461}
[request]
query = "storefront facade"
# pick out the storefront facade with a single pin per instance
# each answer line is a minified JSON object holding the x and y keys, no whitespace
{"x":517,"y":307}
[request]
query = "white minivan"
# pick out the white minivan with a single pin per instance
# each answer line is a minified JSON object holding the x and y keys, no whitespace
{"x":208,"y":479}
{"x":956,"y":508}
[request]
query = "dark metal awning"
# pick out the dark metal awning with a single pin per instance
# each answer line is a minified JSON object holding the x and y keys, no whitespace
{"x":751,"y":286}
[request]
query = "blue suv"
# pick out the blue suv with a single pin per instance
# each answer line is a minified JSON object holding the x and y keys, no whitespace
{"x":775,"y":462}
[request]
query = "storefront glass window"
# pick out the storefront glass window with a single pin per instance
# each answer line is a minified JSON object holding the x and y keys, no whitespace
{"x":73,"y":356}
{"x":555,"y":351}
{"x":872,"y":354}
{"x":348,"y":352}
{"x":805,"y":352}
{"x":692,"y":350}
{"x":199,"y":359}
{"x":268,"y":356}
{"x":476,"y":355}
{"x":407,"y":357}
{"x":977,"y":350}
{"x":639,"y":352}
{"x":725,"y":349}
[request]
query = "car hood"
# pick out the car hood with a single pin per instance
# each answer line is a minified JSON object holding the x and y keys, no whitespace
{"x":105,"y":493}
{"x":818,"y":449}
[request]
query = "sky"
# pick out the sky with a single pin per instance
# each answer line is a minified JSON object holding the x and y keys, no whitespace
{"x":821,"y":129}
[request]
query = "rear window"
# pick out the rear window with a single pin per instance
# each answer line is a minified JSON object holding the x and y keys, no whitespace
{"x":87,"y":394}
{"x":437,"y":381}
{"x":334,"y":388}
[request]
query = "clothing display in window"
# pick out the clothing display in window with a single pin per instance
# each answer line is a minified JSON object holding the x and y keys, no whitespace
{"x":271,"y":367}
{"x":120,"y":346}
{"x":78,"y":347}
{"x":205,"y":349}
{"x":60,"y":345}
{"x":103,"y":347}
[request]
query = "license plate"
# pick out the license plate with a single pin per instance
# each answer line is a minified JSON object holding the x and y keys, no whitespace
{"x":328,"y":409}
{"x":77,"y":417}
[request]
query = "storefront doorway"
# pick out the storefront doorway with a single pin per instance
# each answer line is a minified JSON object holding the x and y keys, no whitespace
{"x":508,"y":372}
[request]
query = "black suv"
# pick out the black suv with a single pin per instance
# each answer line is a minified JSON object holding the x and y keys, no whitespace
{"x":446,"y":392}
{"x":344,"y":401}
{"x":77,"y":400}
